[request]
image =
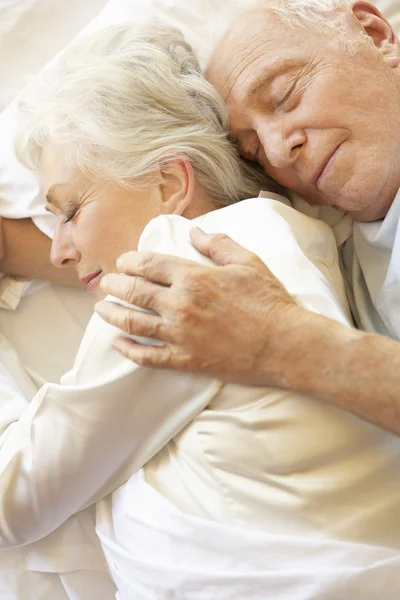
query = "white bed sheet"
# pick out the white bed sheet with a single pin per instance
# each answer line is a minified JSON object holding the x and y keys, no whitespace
{"x":32,"y":32}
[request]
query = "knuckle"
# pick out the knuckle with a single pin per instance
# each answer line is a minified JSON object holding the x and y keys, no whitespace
{"x":144,"y":360}
{"x":160,"y":358}
{"x":192,"y":282}
{"x":219,"y":238}
{"x":190,"y":363}
{"x":131,"y":289}
{"x":185,"y":312}
{"x":253,"y":261}
{"x":157,"y":329}
{"x":145,"y":260}
{"x":128,"y":323}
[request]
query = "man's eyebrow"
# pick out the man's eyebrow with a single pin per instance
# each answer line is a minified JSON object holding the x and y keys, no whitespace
{"x":263,"y":79}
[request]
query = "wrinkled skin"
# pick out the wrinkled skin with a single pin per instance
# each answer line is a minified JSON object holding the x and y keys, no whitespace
{"x":318,"y":112}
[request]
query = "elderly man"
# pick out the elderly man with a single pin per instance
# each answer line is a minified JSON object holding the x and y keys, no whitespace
{"x":313,"y":90}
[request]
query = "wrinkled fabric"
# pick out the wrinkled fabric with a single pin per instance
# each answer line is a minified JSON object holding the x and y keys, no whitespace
{"x":69,"y":563}
{"x":157,"y":552}
{"x":376,"y":273}
{"x":265,"y":493}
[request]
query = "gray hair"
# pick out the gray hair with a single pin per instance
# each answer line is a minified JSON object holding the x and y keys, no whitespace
{"x":127,"y":101}
{"x":316,"y":14}
{"x":319,"y":15}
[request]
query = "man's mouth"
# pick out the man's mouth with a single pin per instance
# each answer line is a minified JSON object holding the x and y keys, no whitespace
{"x":325,"y":166}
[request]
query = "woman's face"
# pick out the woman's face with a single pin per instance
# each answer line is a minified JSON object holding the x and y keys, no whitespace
{"x":96,"y":222}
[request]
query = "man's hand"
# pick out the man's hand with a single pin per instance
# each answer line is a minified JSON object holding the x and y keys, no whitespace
{"x":222,"y":320}
{"x":236,"y":322}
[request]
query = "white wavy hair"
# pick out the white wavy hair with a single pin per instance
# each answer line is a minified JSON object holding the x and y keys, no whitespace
{"x":319,"y":15}
{"x":127,"y":101}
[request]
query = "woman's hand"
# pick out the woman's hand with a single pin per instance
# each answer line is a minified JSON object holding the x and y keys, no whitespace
{"x":234,"y":321}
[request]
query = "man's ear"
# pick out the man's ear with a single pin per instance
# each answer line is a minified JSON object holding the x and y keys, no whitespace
{"x":378,"y":29}
{"x":177,"y":187}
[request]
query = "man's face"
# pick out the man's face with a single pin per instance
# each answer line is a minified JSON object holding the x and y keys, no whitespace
{"x":323,"y":120}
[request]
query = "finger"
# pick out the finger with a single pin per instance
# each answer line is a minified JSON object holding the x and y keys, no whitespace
{"x":146,"y":356}
{"x":201,"y":240}
{"x":133,"y":322}
{"x":134,"y":290}
{"x":220,"y":248}
{"x":159,"y":268}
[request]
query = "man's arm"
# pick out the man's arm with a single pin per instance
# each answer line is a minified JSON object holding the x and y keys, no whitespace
{"x":351,"y":369}
{"x":26,"y":253}
{"x":237,"y":322}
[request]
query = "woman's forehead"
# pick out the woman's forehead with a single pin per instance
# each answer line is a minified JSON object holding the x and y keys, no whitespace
{"x":55,"y":172}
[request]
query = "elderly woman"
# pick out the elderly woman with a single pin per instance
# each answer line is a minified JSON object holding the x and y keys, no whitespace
{"x":246,"y":492}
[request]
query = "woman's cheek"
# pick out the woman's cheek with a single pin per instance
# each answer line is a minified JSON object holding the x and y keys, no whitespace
{"x":88,"y":238}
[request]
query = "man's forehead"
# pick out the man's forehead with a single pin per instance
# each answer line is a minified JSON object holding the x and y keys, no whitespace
{"x":248,"y":52}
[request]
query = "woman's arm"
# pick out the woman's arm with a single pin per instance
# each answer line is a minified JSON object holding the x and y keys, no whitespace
{"x":26,"y":253}
{"x":78,"y":441}
{"x":238,"y":323}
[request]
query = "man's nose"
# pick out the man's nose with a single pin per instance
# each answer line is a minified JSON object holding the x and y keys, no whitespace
{"x":281,"y":149}
{"x":63,"y":251}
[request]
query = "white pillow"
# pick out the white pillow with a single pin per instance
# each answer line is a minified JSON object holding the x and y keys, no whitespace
{"x":391,"y":10}
{"x":31,"y":32}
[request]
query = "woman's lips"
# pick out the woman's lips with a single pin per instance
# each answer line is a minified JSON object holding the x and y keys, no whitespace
{"x":92,"y":280}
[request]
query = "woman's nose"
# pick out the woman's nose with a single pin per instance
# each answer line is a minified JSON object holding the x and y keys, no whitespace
{"x":63,"y":251}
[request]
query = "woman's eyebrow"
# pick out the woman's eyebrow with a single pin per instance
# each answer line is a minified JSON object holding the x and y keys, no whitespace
{"x":51,"y":197}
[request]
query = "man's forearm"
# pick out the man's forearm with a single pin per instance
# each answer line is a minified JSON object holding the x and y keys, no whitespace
{"x":27,"y":254}
{"x":354,"y":370}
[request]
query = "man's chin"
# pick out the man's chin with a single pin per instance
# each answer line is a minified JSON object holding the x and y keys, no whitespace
{"x":368,"y":214}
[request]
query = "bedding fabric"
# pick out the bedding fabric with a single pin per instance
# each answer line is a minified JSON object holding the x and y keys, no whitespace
{"x":31,"y":32}
{"x":329,"y":478}
{"x":67,"y":565}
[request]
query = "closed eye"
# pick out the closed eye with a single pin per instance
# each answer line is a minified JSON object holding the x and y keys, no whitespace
{"x":69,"y":216}
{"x":286,"y":96}
{"x":69,"y":210}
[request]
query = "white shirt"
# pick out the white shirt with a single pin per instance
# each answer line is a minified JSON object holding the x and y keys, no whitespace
{"x":373,"y":261}
{"x":329,"y":477}
{"x":68,"y":564}
{"x":265,"y":493}
{"x":370,"y":263}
